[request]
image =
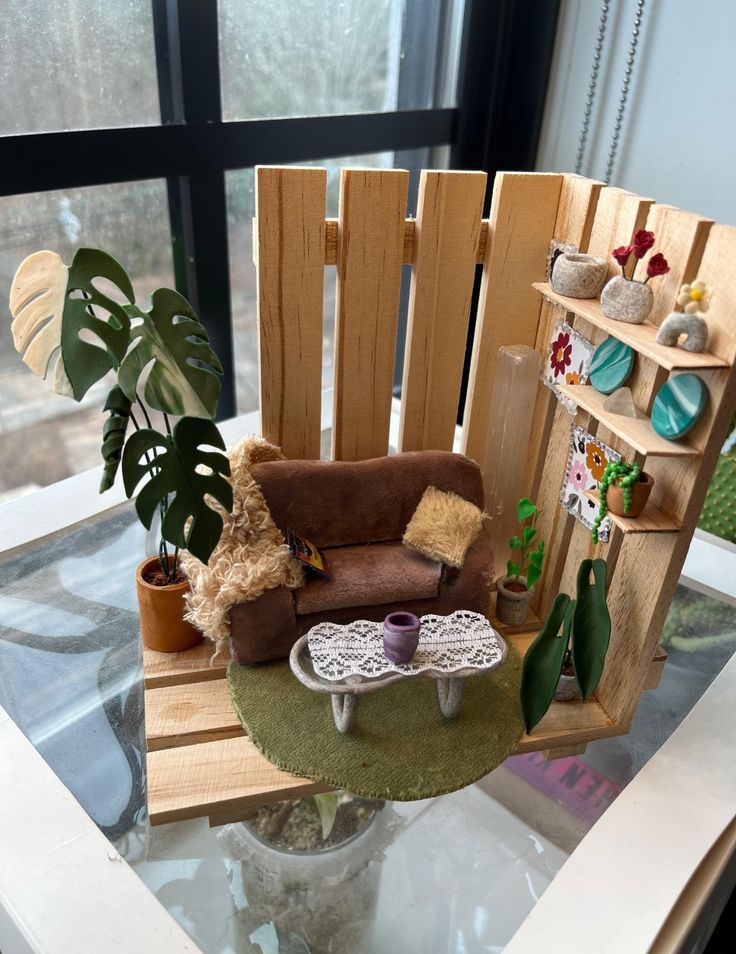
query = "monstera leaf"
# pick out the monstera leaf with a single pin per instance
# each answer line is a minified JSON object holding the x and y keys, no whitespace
{"x":184,"y":377}
{"x":591,"y":626}
{"x":113,"y":435}
{"x":52,"y":304}
{"x":37,"y":298}
{"x":543,"y":662}
{"x":174,"y":465}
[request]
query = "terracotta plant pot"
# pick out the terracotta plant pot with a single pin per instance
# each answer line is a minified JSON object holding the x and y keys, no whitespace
{"x":639,"y":495}
{"x":512,"y":606}
{"x":567,"y":688}
{"x":625,"y":300}
{"x":162,"y":613}
{"x":400,"y":636}
{"x":578,"y":276}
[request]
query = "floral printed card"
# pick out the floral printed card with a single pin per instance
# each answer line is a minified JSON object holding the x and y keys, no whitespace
{"x":568,"y":361}
{"x":586,"y":462}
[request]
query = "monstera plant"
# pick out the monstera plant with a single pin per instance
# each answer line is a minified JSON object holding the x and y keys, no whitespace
{"x":74,"y":324}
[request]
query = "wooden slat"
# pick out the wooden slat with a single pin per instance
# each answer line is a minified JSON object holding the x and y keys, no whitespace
{"x":189,"y":713}
{"x":446,"y":240}
{"x":171,"y":669}
{"x":618,"y":215}
{"x":370,"y":252}
{"x":637,"y":432}
{"x":574,"y":222}
{"x":290,"y":217}
{"x":638,"y":611}
{"x":331,"y":230}
{"x":522,"y":222}
{"x":650,"y":520}
{"x":216,"y":778}
{"x":639,"y":337}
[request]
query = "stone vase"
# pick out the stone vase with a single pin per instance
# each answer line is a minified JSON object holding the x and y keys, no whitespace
{"x":626,"y":300}
{"x":567,"y":688}
{"x":576,"y":275}
{"x":512,"y":607}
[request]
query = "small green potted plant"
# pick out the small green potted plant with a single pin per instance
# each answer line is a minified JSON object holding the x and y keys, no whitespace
{"x":624,"y":490}
{"x":568,"y":655}
{"x":75,"y":324}
{"x":515,"y":590}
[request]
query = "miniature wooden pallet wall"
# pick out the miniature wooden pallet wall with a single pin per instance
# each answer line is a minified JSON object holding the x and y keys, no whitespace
{"x":200,"y":761}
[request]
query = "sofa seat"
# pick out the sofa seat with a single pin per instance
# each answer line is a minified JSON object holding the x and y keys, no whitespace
{"x":369,"y":575}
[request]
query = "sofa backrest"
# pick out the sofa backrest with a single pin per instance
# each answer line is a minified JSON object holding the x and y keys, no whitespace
{"x":337,"y":503}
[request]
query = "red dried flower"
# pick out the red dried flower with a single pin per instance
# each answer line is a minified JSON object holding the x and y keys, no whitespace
{"x":643,"y":241}
{"x":622,"y":254}
{"x":657,"y":265}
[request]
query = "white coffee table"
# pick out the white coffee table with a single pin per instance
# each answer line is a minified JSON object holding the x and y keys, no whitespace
{"x":347,"y":661}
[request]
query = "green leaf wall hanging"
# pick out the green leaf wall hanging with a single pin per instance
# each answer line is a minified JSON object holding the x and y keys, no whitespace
{"x":543,"y":663}
{"x":184,"y":375}
{"x":173,"y":465}
{"x":591,"y":626}
{"x":113,"y":435}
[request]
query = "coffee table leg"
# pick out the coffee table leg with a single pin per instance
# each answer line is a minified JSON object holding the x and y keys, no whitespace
{"x":449,"y":695}
{"x":344,"y":709}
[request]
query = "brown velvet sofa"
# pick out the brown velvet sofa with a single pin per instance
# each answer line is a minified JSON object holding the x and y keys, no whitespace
{"x":357,"y":512}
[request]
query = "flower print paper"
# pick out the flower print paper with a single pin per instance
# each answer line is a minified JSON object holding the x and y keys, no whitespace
{"x":586,"y":461}
{"x":568,"y":361}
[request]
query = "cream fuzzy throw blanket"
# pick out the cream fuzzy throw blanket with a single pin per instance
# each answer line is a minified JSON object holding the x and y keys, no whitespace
{"x":252,"y":555}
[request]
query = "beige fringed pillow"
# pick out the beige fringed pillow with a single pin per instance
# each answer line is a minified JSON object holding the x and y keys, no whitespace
{"x":443,"y":527}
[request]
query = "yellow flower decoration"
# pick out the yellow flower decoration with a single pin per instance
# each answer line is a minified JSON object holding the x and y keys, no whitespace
{"x":572,"y":377}
{"x":694,"y":298}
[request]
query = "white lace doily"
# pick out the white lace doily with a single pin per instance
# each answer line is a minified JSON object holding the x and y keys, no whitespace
{"x":447,"y":644}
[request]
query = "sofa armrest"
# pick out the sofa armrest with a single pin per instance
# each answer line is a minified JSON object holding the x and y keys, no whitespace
{"x":264,"y":628}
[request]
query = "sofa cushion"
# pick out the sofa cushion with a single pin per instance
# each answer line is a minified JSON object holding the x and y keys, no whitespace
{"x":443,"y":527}
{"x":367,"y":575}
{"x":335,"y":503}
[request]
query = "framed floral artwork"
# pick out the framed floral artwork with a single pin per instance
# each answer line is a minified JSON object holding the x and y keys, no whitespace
{"x":586,"y":461}
{"x":567,"y":362}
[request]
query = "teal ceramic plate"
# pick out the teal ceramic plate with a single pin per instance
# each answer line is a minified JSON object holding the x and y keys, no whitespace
{"x":678,"y":406}
{"x":611,"y":365}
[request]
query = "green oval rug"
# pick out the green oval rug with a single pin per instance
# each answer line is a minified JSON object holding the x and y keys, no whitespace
{"x":401,"y":748}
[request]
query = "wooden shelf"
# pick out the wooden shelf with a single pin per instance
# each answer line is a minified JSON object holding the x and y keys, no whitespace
{"x":637,"y":432}
{"x":641,"y":338}
{"x":650,"y":520}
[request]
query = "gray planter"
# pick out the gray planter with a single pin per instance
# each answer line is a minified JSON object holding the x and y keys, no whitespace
{"x":578,"y":276}
{"x":567,"y":689}
{"x":512,"y":608}
{"x":624,"y":300}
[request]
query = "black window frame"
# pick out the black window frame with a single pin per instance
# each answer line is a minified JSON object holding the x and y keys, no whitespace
{"x":504,"y":66}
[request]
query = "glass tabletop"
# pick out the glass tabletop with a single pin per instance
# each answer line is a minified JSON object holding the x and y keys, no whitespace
{"x":452,"y":874}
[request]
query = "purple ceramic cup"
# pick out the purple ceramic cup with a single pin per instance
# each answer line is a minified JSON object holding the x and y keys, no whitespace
{"x":400,"y":636}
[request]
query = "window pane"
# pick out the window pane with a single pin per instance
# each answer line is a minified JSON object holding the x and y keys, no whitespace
{"x":316,"y":57}
{"x":45,"y":437}
{"x":241,"y":208}
{"x":76,"y":64}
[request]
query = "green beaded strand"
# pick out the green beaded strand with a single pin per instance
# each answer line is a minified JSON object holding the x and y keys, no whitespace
{"x":626,"y":475}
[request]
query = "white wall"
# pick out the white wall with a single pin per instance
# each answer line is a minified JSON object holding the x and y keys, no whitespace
{"x":678,"y":143}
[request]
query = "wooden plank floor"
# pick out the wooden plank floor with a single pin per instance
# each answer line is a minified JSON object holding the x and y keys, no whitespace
{"x":201,"y":763}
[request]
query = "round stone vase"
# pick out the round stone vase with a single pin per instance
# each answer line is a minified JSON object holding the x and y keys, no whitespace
{"x":567,"y":688}
{"x":639,"y":495}
{"x":624,"y":300}
{"x":401,"y":636}
{"x":512,"y":606}
{"x":576,"y":275}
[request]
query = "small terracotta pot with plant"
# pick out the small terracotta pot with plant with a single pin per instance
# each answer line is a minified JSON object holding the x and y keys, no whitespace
{"x":624,"y":490}
{"x":515,"y":590}
{"x":71,"y":331}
